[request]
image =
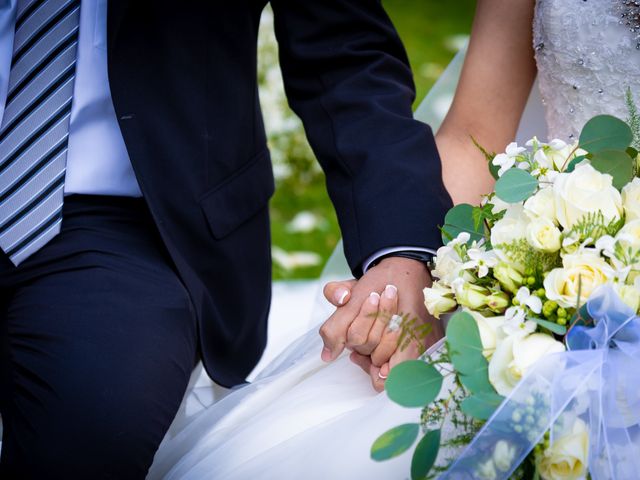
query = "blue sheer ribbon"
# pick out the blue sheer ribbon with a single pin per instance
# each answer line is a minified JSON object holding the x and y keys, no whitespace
{"x":596,"y":382}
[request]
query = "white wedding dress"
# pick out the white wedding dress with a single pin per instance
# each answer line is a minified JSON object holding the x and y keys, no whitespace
{"x":303,"y":419}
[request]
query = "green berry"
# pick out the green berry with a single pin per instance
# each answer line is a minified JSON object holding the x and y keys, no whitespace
{"x":531,"y":281}
{"x":541,"y":292}
{"x":561,"y":312}
{"x":562,"y":321}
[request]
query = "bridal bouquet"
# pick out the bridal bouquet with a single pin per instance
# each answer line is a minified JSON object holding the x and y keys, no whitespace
{"x":538,"y":377}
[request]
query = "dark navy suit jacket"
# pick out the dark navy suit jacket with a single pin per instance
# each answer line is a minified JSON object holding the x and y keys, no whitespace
{"x":183,"y":83}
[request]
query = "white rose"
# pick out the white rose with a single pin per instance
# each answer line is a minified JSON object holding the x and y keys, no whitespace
{"x":491,"y":333}
{"x":582,"y":272}
{"x":542,"y":204}
{"x":503,"y":455}
{"x":631,"y":199}
{"x":487,"y":471}
{"x":584,"y":191}
{"x":543,"y":235}
{"x":511,"y":228}
{"x":629,"y":294}
{"x":439,"y":299}
{"x":515,"y":355}
{"x":447,"y":264}
{"x":567,"y":458}
{"x":630,"y":234}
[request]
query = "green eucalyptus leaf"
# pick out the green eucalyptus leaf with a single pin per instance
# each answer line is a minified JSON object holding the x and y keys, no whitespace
{"x":460,"y":219}
{"x":516,"y":185}
{"x":616,"y":163}
{"x":394,"y":442}
{"x":464,"y":344}
{"x":425,"y":455}
{"x":481,"y":405}
{"x":413,"y":383}
{"x":551,"y":326}
{"x":478,"y":380}
{"x":571,"y":166}
{"x":605,"y":132}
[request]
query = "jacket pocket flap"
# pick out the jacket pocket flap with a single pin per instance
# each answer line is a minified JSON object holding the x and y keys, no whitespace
{"x":240,"y":197}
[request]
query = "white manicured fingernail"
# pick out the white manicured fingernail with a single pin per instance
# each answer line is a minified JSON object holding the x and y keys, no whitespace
{"x":390,"y":292}
{"x":374,"y":298}
{"x":341,"y":294}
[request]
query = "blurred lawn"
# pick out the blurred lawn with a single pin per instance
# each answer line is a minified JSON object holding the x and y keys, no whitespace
{"x":432,"y":31}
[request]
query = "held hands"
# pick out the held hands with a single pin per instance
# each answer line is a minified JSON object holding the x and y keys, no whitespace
{"x":364,"y":320}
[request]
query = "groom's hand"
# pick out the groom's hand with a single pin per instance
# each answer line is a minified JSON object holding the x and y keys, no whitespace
{"x":365,"y":308}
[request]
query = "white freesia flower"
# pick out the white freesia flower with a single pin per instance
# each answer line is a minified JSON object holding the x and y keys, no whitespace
{"x":439,"y":299}
{"x":581,"y":272}
{"x":516,"y":323}
{"x":560,"y":154}
{"x":543,"y":235}
{"x":541,"y":205}
{"x":448,"y":264}
{"x":503,"y":455}
{"x":491,"y":332}
{"x":482,"y":260}
{"x":462,"y":238}
{"x":631,"y":199}
{"x":508,"y":159}
{"x":487,"y":470}
{"x":567,"y":458}
{"x":525,"y":297}
{"x":605,"y":245}
{"x":515,"y":355}
{"x":584,"y":191}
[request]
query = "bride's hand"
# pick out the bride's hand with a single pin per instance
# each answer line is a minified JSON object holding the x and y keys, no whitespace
{"x":365,"y":309}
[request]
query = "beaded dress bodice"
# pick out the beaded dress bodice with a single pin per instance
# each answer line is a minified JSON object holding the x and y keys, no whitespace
{"x":587,"y":57}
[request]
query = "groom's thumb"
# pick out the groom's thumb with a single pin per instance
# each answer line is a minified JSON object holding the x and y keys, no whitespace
{"x":338,"y":293}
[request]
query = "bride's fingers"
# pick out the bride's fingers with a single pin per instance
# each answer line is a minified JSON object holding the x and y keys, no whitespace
{"x":363,"y":361}
{"x":377,"y":379}
{"x":388,"y":308}
{"x":359,"y":330}
{"x":338,"y":293}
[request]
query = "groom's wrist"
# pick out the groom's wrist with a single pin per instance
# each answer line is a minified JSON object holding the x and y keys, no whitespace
{"x":422,"y":255}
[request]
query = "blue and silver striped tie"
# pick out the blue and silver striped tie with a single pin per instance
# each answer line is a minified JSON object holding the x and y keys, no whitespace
{"x":35,"y":127}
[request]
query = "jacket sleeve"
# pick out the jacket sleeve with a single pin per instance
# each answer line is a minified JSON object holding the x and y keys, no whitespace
{"x":347,"y":76}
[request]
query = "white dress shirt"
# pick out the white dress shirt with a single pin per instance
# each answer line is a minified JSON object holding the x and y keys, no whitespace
{"x":97,"y":159}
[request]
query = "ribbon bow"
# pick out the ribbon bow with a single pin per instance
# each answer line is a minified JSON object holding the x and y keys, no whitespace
{"x":595,"y":383}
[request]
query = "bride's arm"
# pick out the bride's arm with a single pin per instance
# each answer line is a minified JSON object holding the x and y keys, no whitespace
{"x":496,"y":80}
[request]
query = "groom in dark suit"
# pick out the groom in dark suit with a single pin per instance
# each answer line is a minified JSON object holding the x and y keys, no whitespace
{"x":134,"y":189}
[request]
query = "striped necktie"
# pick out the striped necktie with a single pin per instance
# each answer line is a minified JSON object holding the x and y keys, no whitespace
{"x":35,"y":128}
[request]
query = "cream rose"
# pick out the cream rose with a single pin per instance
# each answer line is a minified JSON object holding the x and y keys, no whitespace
{"x":541,"y":205}
{"x":543,"y":235}
{"x":631,"y":199}
{"x":439,"y":299}
{"x":491,"y":333}
{"x":515,"y":355}
{"x":568,"y":457}
{"x":503,"y":455}
{"x":582,"y":272}
{"x":584,"y":191}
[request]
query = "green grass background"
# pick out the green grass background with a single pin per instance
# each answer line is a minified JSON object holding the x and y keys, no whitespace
{"x":429,"y":29}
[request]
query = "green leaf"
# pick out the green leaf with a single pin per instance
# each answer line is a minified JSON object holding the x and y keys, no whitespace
{"x":551,"y":326}
{"x":616,"y":163}
{"x":464,"y":344}
{"x":413,"y":383}
{"x":481,"y":405}
{"x":460,"y":219}
{"x":605,"y":132}
{"x":516,"y":185}
{"x":425,"y":455}
{"x":478,"y":380}
{"x":394,"y":442}
{"x":573,"y":163}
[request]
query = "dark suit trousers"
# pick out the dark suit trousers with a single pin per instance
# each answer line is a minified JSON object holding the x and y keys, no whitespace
{"x":97,"y":342}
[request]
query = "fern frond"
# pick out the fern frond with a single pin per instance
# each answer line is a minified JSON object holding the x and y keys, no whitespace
{"x":634,"y":118}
